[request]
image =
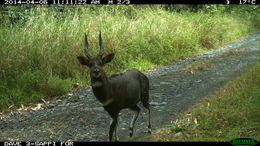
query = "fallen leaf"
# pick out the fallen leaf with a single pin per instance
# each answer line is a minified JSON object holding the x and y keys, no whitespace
{"x":37,"y":107}
{"x":151,"y":70}
{"x":10,"y":106}
{"x":195,"y":121}
{"x":46,"y":102}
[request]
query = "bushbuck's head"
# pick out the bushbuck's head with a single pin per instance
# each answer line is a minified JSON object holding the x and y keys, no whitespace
{"x":95,"y":64}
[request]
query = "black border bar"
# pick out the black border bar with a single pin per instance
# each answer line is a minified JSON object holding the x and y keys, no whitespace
{"x":125,"y":2}
{"x":107,"y":143}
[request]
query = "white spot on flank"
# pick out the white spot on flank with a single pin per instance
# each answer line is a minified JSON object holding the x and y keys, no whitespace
{"x":107,"y":102}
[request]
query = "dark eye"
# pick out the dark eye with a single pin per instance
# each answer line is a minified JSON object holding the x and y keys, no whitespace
{"x":91,"y":63}
{"x":99,"y":63}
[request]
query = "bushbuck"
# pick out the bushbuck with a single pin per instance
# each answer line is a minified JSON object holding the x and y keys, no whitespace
{"x":119,"y":91}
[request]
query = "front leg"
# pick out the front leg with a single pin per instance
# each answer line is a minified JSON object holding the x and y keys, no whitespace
{"x":116,"y":133}
{"x":113,"y":127}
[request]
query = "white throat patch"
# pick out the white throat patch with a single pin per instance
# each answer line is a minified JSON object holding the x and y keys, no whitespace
{"x":96,"y":84}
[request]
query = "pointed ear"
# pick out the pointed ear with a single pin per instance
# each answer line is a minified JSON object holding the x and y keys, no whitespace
{"x":108,"y":58}
{"x":83,"y":60}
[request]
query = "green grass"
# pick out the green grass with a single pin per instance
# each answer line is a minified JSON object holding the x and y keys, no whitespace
{"x":230,"y":112}
{"x":38,"y":56}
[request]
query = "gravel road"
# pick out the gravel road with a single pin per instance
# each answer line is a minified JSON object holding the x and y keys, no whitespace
{"x":78,"y":116}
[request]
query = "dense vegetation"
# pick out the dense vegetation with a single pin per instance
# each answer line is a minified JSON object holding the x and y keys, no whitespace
{"x":230,"y":112}
{"x":39,"y":44}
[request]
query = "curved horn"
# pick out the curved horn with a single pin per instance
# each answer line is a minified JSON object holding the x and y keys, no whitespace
{"x":101,"y":52}
{"x":86,"y":47}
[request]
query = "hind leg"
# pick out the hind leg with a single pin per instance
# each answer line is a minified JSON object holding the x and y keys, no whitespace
{"x":147,"y":106}
{"x":136,"y":110}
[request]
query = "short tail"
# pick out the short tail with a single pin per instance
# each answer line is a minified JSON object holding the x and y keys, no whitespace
{"x":144,"y":82}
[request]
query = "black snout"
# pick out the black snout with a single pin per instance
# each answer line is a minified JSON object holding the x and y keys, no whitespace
{"x":96,"y":70}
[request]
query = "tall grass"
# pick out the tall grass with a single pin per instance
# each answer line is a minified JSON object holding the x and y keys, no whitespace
{"x":38,"y":56}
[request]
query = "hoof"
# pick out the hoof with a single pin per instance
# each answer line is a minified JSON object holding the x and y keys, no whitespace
{"x":130,"y":132}
{"x":149,"y":131}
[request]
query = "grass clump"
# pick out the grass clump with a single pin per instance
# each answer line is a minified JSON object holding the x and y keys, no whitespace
{"x":230,"y":112}
{"x":39,"y":46}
